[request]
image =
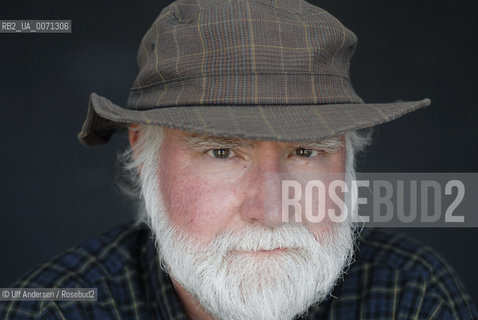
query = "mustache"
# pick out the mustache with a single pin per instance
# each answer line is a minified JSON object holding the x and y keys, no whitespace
{"x":259,"y":238}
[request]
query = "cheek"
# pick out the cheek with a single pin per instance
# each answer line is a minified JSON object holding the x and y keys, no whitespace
{"x":322,"y":204}
{"x":195,"y":203}
{"x":336,"y":162}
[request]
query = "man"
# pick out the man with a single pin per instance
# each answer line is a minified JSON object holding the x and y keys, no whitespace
{"x":232,"y":98}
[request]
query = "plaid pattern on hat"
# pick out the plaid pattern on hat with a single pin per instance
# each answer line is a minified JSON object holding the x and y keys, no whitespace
{"x":257,"y":69}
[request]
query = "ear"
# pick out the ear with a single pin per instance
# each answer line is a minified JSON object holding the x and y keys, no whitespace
{"x":133,"y":134}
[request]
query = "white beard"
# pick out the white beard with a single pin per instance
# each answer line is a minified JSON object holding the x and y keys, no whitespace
{"x":233,"y":285}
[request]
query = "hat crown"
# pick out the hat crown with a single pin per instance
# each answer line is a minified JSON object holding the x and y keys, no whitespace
{"x":244,"y":52}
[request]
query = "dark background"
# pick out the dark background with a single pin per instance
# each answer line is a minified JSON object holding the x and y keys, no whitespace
{"x":56,"y":192}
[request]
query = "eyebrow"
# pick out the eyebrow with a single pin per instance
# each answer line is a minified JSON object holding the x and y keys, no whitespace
{"x":204,"y":141}
{"x":331,"y":144}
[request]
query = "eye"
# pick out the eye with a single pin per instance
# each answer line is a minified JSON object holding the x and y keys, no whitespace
{"x":221,"y":153}
{"x":305,"y":153}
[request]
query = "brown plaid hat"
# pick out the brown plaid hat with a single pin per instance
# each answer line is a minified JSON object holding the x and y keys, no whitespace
{"x":256,"y":69}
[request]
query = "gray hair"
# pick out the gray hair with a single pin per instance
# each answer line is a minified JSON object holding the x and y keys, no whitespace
{"x":146,"y":153}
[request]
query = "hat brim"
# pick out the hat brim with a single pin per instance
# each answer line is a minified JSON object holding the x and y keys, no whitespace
{"x":288,"y":123}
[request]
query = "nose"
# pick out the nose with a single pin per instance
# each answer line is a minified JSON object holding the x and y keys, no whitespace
{"x":262,"y":200}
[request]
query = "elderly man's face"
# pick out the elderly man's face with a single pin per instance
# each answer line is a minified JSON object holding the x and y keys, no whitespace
{"x":211,"y":184}
{"x":214,"y":206}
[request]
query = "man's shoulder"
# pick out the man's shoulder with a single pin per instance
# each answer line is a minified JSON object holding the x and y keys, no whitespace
{"x":100,"y":262}
{"x":397,"y":275}
{"x":399,"y":253}
{"x":91,"y":261}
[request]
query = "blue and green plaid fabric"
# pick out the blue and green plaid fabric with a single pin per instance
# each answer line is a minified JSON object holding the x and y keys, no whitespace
{"x":393,"y":277}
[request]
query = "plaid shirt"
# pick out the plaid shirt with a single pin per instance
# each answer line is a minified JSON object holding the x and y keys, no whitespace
{"x":393,"y":277}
